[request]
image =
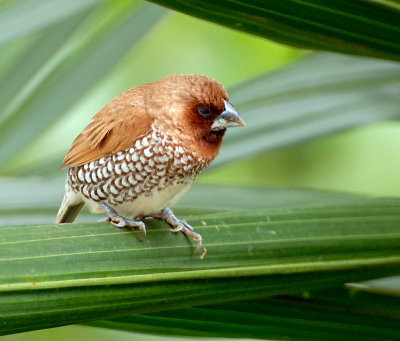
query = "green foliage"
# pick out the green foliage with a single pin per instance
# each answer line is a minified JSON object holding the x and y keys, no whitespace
{"x":262,"y":243}
{"x":361,"y":27}
{"x":315,"y":96}
{"x":70,"y":70}
{"x":317,"y":317}
{"x":74,"y":272}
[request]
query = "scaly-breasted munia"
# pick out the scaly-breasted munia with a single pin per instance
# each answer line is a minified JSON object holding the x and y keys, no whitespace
{"x":143,"y":150}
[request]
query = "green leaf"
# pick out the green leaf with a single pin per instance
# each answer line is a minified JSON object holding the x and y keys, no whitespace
{"x":277,"y":318}
{"x":37,"y":309}
{"x":23,"y":73}
{"x":319,"y":95}
{"x":367,"y":28}
{"x":61,"y":274}
{"x":23,"y":17}
{"x":109,"y":32}
{"x":310,"y":231}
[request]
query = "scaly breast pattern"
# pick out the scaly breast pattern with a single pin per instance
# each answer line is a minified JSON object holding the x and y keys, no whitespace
{"x":152,"y":167}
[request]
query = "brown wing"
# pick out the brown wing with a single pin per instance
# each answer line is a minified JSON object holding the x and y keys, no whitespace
{"x":114,"y":128}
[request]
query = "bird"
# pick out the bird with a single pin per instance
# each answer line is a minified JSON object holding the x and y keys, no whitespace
{"x":143,"y":150}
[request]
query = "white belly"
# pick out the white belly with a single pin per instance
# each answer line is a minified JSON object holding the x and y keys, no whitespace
{"x":145,"y":205}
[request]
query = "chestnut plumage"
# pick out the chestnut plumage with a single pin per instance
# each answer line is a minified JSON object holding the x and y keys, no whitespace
{"x":144,"y":149}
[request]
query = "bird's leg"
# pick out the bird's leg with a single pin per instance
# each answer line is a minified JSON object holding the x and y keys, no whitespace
{"x":179,"y":225}
{"x":114,"y":218}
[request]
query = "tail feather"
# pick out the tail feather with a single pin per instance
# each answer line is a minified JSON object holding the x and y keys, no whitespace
{"x":68,"y":212}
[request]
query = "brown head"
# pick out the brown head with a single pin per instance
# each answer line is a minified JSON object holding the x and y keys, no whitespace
{"x":196,"y":110}
{"x":191,"y":108}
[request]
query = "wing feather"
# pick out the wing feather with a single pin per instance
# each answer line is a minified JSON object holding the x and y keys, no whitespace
{"x":114,"y":128}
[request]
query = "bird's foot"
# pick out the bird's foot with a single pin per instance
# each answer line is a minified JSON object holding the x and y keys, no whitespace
{"x":179,"y":225}
{"x":114,"y":218}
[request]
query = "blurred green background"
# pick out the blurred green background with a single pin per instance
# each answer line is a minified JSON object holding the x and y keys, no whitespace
{"x":363,"y":160}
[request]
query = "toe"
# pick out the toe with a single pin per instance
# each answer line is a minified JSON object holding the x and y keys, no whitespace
{"x":142,"y":227}
{"x":118,"y":222}
{"x":187,"y":225}
{"x":178,"y":228}
{"x":198,"y":240}
{"x":137,"y":224}
{"x":130,"y":223}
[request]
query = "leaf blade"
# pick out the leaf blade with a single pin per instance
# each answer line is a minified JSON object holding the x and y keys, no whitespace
{"x":317,"y":96}
{"x":284,"y":241}
{"x":361,"y":27}
{"x":20,"y":18}
{"x":291,"y":317}
{"x":76,"y":71}
{"x":273,"y":318}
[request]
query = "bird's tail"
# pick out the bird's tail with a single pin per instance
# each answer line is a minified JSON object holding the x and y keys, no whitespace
{"x":69,"y":209}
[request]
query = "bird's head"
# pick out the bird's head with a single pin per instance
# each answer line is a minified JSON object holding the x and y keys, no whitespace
{"x":198,"y":110}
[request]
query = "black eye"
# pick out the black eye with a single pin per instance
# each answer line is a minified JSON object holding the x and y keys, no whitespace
{"x":204,"y":111}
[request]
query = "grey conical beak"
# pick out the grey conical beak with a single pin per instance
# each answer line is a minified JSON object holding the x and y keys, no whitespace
{"x":228,"y":118}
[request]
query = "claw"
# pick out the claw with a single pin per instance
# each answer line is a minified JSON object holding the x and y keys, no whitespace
{"x":180,"y":226}
{"x":177,"y":229}
{"x":120,"y":221}
{"x":186,"y":225}
{"x":141,"y":227}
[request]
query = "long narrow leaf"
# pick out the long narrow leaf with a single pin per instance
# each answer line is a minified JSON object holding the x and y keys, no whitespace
{"x":367,"y":27}
{"x":57,"y":90}
{"x":239,"y":243}
{"x":277,"y":318}
{"x":61,"y":274}
{"x":316,"y":96}
{"x":33,"y":61}
{"x":36,"y":309}
{"x":22,"y":17}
